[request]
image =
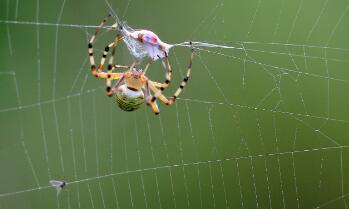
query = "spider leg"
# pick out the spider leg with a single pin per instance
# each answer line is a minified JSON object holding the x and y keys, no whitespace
{"x":106,"y":50}
{"x":113,"y":45}
{"x":120,"y":66}
{"x":168,"y":73}
{"x":109,"y":76}
{"x":111,"y":91}
{"x":111,"y":58}
{"x":158,"y":92}
{"x":153,"y":104}
{"x":158,"y":85}
{"x":90,"y":45}
{"x":168,"y":69}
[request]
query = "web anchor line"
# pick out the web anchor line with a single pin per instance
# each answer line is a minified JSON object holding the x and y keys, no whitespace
{"x":176,"y":165}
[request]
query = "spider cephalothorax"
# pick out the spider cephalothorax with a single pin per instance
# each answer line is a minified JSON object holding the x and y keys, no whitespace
{"x":134,"y":78}
{"x":132,"y":87}
{"x":130,"y":96}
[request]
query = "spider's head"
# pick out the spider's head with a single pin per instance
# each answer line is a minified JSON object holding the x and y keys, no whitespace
{"x":134,"y":78}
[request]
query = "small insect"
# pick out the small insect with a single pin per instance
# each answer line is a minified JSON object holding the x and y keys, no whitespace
{"x":132,"y":87}
{"x":151,"y":43}
{"x":58,"y":185}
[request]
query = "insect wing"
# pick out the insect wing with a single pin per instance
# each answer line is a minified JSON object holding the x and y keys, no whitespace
{"x":58,"y":185}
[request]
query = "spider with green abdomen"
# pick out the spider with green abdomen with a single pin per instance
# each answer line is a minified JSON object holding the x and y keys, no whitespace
{"x":132,"y":87}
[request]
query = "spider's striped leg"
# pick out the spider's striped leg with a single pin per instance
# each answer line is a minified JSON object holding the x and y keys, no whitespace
{"x":168,"y":69}
{"x":90,"y":45}
{"x":116,"y":85}
{"x":168,"y":73}
{"x":114,"y":44}
{"x":185,"y":80}
{"x":153,"y":104}
{"x":158,"y":92}
{"x":111,"y":76}
{"x":110,"y":68}
{"x":111,"y":60}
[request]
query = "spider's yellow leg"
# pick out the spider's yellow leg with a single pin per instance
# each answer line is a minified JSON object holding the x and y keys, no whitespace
{"x":153,"y":104}
{"x":157,"y":94}
{"x":155,"y":107}
{"x":120,"y":66}
{"x":111,"y":91}
{"x":159,"y":85}
{"x":111,"y":76}
{"x":168,"y":69}
{"x":90,"y":46}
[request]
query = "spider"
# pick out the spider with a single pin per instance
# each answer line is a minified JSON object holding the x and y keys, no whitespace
{"x":132,"y":87}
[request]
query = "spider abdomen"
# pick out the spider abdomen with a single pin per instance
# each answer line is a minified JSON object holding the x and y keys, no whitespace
{"x":127,"y":99}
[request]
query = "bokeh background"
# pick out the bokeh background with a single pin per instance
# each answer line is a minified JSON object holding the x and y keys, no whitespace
{"x":262,"y":126}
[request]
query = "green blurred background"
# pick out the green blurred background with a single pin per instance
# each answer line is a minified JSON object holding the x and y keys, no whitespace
{"x":263,"y":127}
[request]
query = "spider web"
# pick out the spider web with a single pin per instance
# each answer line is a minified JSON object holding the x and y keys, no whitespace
{"x":261,"y":126}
